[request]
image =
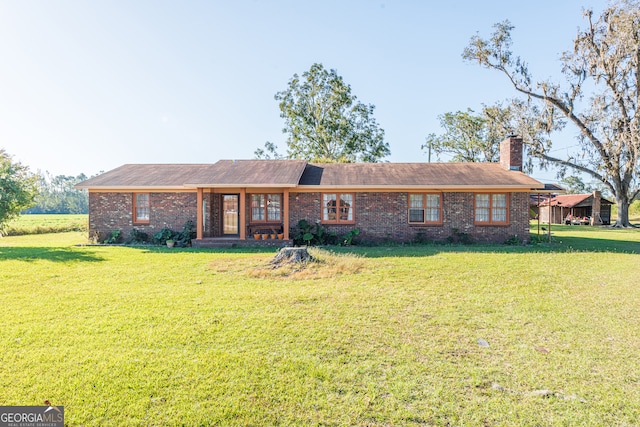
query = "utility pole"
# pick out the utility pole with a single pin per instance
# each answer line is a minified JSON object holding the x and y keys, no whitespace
{"x":428,"y":145}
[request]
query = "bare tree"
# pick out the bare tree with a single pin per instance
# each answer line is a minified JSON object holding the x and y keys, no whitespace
{"x":599,"y":97}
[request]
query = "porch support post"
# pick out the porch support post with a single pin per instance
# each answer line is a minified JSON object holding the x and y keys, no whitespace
{"x":243,"y":215}
{"x":539,"y":214}
{"x":285,"y":213}
{"x":199,"y":218}
{"x":550,"y":210}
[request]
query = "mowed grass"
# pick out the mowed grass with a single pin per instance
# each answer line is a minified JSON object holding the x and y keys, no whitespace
{"x":46,"y":223}
{"x":366,"y":337}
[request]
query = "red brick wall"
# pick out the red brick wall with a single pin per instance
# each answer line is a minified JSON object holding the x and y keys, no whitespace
{"x":383,"y":217}
{"x":379,"y":216}
{"x":208,"y":200}
{"x":215,"y":211}
{"x":114,"y":211}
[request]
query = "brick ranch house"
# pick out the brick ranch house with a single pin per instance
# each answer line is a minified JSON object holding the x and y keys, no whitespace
{"x":397,"y":202}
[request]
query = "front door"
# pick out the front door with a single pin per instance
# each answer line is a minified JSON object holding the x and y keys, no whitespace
{"x":230,"y":214}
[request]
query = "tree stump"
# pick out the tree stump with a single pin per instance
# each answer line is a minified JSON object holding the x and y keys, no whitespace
{"x":292,"y":255}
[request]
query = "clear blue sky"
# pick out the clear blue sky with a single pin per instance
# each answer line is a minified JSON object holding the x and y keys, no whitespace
{"x":86,"y":86}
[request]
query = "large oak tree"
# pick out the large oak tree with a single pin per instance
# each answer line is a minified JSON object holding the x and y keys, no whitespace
{"x":325,"y":122}
{"x":599,"y":96}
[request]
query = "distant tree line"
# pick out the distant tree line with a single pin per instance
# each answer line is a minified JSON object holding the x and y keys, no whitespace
{"x":56,"y":194}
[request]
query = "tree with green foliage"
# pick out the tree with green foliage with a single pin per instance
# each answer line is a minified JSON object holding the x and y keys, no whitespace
{"x":470,"y":136}
{"x":575,"y":185}
{"x":270,"y":151}
{"x":324,"y":122}
{"x":600,"y":98}
{"x":17,"y":188}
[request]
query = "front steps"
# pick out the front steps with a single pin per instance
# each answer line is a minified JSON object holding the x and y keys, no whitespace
{"x":227,"y":243}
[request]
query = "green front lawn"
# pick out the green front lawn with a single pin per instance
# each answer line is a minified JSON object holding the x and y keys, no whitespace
{"x":369,"y":336}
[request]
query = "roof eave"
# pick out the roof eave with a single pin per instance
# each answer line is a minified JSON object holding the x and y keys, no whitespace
{"x":120,"y":188}
{"x":526,"y":188}
{"x":243,"y":185}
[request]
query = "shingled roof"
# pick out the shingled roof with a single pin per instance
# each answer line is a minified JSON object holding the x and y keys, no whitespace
{"x":149,"y":176}
{"x":254,"y":173}
{"x":417,"y":175}
{"x":225,"y":173}
{"x":298,"y":173}
{"x":573,"y":200}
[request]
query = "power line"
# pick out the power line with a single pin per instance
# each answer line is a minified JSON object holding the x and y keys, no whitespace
{"x":563,"y":148}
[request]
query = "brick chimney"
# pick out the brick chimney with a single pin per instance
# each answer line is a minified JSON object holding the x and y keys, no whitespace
{"x":511,"y":153}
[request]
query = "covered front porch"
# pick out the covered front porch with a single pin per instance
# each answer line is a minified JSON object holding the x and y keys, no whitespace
{"x":237,"y":200}
{"x":242,"y":217}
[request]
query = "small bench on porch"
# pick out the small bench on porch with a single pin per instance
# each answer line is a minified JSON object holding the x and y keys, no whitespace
{"x":265,"y":228}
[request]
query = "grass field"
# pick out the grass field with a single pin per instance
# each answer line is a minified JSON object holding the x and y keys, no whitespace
{"x":46,"y":223}
{"x":366,"y":337}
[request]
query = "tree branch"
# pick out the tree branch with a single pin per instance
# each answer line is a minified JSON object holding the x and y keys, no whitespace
{"x":566,"y":111}
{"x":577,"y":167}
